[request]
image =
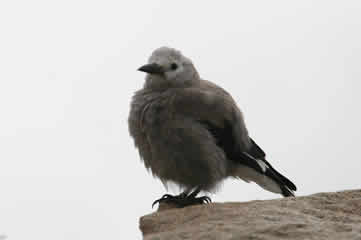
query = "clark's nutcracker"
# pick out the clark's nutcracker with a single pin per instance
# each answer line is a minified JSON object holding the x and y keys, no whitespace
{"x":191,"y":132}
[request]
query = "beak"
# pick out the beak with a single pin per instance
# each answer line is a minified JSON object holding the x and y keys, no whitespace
{"x":152,"y":68}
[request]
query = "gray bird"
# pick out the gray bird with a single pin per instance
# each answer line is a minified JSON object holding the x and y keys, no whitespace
{"x":191,"y":132}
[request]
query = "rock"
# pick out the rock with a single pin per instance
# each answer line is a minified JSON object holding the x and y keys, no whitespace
{"x":319,"y":216}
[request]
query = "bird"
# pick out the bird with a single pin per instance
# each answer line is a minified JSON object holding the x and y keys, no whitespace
{"x":190,"y":131}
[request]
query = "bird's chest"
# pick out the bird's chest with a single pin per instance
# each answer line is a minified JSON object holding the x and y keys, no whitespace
{"x":152,"y":114}
{"x":155,"y":117}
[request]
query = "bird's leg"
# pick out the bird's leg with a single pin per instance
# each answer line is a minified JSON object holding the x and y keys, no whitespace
{"x":184,"y":199}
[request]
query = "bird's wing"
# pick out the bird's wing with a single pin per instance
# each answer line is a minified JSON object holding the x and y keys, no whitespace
{"x":216,"y":111}
{"x":258,"y":153}
{"x":214,"y":108}
{"x":254,"y":159}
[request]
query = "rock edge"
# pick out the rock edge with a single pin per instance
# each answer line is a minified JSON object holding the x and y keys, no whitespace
{"x":319,"y":216}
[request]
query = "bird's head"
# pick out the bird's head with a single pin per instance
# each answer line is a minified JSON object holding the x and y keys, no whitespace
{"x":167,"y":67}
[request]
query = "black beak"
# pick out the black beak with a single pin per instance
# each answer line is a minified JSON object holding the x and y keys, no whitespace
{"x":151,"y":68}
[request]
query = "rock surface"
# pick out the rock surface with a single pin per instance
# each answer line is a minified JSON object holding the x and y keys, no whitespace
{"x":319,"y":216}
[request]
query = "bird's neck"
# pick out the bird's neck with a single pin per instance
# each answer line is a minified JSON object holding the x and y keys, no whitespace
{"x":159,"y":84}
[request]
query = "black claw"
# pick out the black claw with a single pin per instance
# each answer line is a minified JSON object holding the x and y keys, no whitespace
{"x":206,"y":199}
{"x":155,"y":202}
{"x":163,"y":198}
{"x":166,"y":196}
{"x":203,"y":200}
{"x":182,"y":200}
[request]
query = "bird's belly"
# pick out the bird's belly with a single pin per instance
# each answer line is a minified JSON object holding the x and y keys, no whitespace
{"x":184,"y":152}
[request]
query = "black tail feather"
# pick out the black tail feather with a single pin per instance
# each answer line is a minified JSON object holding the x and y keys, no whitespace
{"x":258,"y":153}
{"x":287,"y":187}
{"x":283,"y":179}
{"x":287,"y":192}
{"x":224,"y":138}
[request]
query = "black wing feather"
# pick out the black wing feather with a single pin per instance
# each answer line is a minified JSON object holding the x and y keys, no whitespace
{"x":225,"y":140}
{"x":259,"y":153}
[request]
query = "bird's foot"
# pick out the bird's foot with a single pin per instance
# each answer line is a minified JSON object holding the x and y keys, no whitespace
{"x":182,"y":200}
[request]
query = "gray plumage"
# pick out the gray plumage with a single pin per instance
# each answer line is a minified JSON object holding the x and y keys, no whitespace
{"x":191,"y":132}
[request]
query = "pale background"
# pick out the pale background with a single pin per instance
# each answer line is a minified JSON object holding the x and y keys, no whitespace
{"x":68,"y":168}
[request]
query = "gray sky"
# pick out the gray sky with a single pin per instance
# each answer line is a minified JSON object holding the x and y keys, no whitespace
{"x":68,"y":168}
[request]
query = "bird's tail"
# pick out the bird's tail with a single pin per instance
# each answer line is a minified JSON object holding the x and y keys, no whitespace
{"x":261,"y":172}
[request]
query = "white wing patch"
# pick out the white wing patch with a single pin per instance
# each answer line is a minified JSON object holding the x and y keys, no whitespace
{"x":250,"y":175}
{"x":262,"y":165}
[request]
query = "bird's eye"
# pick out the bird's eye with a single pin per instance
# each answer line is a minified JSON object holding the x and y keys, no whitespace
{"x":173,"y":66}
